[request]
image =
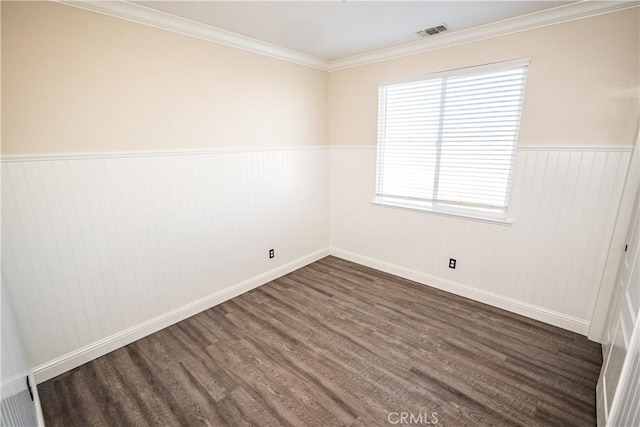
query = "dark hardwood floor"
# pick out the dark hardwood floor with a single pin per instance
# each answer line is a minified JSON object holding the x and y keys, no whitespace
{"x":336,"y":343}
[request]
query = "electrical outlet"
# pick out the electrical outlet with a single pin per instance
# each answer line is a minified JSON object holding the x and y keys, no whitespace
{"x":452,"y":263}
{"x":272,"y":253}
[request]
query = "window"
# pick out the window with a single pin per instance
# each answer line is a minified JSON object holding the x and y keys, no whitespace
{"x":446,"y":143}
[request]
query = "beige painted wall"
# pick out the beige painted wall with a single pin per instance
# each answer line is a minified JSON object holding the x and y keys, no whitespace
{"x":582,"y":86}
{"x":76,"y":81}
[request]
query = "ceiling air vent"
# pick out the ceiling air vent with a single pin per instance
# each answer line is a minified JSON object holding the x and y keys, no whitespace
{"x":428,"y":32}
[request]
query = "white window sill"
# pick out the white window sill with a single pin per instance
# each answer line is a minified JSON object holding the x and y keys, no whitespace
{"x":469,"y":214}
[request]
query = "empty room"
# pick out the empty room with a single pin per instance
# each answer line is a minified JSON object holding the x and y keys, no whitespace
{"x":320,"y":213}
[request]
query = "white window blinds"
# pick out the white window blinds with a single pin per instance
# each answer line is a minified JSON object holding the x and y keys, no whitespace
{"x":449,"y":140}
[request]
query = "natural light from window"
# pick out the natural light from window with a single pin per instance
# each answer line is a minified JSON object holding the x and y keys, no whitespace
{"x":447,"y":142}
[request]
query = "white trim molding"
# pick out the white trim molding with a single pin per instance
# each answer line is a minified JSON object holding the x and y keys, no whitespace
{"x":36,"y":399}
{"x":471,"y":216}
{"x":611,"y":148}
{"x":352,"y":147}
{"x":144,"y":15}
{"x":17,"y":406}
{"x":155,"y":18}
{"x":42,"y":157}
{"x":528,"y":310}
{"x":99,"y":348}
{"x":556,"y":15}
{"x":594,"y":148}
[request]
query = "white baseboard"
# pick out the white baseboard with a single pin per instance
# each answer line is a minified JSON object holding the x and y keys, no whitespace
{"x":36,"y":399}
{"x":99,"y":348}
{"x":551,"y":317}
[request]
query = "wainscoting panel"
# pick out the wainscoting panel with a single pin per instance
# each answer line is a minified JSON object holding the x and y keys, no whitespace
{"x":547,"y":264}
{"x":95,"y":245}
{"x":17,"y":408}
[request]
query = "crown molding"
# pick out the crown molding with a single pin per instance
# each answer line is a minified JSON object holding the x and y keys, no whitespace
{"x":556,"y":15}
{"x":144,"y":15}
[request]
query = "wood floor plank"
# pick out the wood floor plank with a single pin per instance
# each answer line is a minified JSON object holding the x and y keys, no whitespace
{"x":337,"y":344}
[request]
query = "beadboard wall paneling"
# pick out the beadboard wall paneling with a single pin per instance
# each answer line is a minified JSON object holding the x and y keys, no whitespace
{"x":546,"y":265}
{"x":16,"y":406}
{"x":93,"y":247}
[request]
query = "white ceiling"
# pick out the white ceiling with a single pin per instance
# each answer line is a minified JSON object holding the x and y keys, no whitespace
{"x":333,"y":30}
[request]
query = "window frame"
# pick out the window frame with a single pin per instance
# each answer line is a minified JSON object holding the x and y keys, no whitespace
{"x":441,"y":207}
